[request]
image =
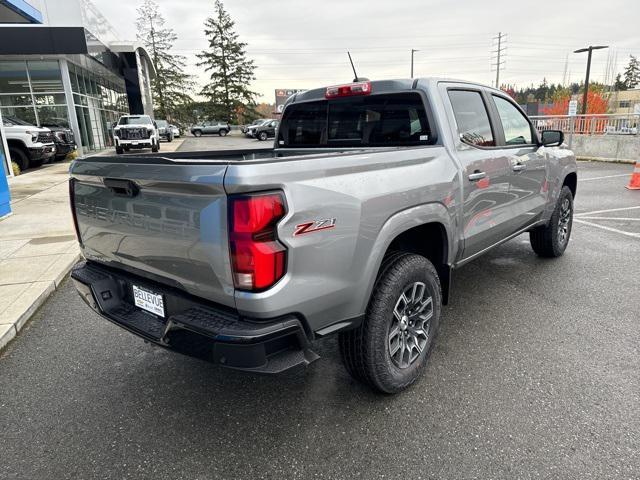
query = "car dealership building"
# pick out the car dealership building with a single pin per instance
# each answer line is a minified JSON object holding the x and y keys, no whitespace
{"x":61,"y":60}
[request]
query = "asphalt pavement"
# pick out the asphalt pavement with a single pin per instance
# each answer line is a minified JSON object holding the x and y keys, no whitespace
{"x":535,"y":374}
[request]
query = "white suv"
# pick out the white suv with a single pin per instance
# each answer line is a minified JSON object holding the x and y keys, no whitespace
{"x":136,"y":131}
{"x":29,"y":146}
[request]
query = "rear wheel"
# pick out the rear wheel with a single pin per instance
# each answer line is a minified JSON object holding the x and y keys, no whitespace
{"x":551,"y":240}
{"x":119,"y":150}
{"x":20,"y":157}
{"x":223,"y":133}
{"x":390,"y":349}
{"x":155,"y":147}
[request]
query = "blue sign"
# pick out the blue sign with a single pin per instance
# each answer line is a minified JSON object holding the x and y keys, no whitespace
{"x":5,"y":198}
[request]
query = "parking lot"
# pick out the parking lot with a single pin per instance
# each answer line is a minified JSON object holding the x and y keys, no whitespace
{"x":534,"y":375}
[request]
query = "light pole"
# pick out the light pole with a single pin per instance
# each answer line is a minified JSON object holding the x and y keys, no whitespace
{"x":589,"y":49}
{"x":413,"y":50}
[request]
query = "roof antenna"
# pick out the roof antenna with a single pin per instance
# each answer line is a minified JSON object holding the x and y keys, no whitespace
{"x":355,"y":75}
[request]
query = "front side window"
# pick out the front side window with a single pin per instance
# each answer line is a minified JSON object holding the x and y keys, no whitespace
{"x":517,"y":130}
{"x":376,"y":121}
{"x":472,"y":118}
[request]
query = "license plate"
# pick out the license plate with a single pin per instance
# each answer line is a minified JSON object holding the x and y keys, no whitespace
{"x":134,"y":143}
{"x":149,"y":301}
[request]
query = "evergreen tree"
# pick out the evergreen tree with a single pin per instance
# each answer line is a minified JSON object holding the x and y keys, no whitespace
{"x":229,"y":69}
{"x":171,"y":85}
{"x":620,"y":84}
{"x":632,"y":73}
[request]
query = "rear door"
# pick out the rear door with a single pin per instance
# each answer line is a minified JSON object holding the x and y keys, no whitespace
{"x":486,"y":171}
{"x":519,"y":143}
{"x":163,"y":221}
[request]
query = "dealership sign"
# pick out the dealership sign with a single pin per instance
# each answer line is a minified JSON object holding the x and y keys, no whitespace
{"x":282,"y":95}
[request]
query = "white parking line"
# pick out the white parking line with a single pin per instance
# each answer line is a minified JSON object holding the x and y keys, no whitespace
{"x":602,"y":178}
{"x":609,"y":229}
{"x":618,"y":219}
{"x":607,"y":211}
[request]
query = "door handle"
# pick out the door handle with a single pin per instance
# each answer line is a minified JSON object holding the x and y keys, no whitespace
{"x":519,"y":167}
{"x":477,"y":175}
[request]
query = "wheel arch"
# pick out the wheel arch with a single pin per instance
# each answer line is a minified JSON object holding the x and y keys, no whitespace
{"x":425,"y":230}
{"x":571,"y":181}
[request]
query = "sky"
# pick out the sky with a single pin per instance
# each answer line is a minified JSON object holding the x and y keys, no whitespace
{"x":299,"y":44}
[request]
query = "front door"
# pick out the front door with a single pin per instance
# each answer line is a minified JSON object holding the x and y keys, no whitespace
{"x":527,"y":161}
{"x":485,"y":184}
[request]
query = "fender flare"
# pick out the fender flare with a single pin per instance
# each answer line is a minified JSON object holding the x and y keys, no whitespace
{"x":399,"y":223}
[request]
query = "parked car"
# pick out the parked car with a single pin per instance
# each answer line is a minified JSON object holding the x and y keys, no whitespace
{"x":175,"y":130}
{"x":251,"y":129}
{"x":164,"y":130}
{"x":29,"y":146}
{"x":266,"y":130}
{"x":208,"y":128}
{"x":258,"y":121}
{"x":134,"y":132}
{"x":376,"y":193}
{"x":62,"y":137}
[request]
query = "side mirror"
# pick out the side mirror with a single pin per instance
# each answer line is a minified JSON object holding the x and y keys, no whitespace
{"x":155,"y":124}
{"x":552,"y":138}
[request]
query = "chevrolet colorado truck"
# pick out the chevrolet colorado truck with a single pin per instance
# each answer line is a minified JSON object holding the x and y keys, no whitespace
{"x":352,"y":225}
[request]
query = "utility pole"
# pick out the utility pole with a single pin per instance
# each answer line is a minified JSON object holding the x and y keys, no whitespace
{"x":499,"y":55}
{"x":413,"y":50}
{"x":589,"y":49}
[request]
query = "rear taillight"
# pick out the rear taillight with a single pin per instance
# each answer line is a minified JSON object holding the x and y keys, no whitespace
{"x":257,"y":258}
{"x":72,"y":203}
{"x":348,"y":90}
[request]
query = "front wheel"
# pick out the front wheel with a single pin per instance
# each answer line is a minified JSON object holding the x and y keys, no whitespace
{"x":551,"y":240}
{"x":119,"y":150}
{"x":197,"y":133}
{"x":263,"y":136}
{"x":155,"y":147}
{"x":390,"y":349}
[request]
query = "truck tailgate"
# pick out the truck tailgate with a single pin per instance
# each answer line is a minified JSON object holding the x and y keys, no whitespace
{"x":165,"y":222}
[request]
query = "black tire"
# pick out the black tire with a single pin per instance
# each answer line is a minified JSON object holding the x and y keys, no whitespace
{"x":552,"y":240}
{"x":155,"y":147}
{"x":119,"y":150}
{"x":20,"y":157}
{"x":197,"y":133}
{"x":366,"y":351}
{"x":263,"y":136}
{"x":223,"y":132}
{"x":170,"y":138}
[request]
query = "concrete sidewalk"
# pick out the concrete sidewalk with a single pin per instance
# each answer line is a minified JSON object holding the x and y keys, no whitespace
{"x":38,"y":245}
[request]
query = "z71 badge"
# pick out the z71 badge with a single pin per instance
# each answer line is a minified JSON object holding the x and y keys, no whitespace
{"x":311,"y":227}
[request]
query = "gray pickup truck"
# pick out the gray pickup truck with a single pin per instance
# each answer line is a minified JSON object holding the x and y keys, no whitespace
{"x":352,"y":225}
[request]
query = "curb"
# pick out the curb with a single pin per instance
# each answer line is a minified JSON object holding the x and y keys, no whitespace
{"x":605,"y":160}
{"x":42,"y":291}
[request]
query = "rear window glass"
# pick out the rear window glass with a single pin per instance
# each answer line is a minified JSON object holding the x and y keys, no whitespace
{"x":376,"y":120}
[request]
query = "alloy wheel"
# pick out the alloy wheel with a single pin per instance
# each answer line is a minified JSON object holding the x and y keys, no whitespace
{"x":411,"y":325}
{"x":564,"y":222}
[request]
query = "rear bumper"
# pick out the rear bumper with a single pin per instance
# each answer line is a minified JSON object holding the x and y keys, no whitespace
{"x":193,"y":327}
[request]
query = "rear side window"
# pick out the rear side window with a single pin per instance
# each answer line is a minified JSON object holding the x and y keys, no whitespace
{"x":376,"y":120}
{"x":472,"y":118}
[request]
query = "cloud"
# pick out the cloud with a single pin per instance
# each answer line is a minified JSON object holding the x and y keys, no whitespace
{"x":303,"y":44}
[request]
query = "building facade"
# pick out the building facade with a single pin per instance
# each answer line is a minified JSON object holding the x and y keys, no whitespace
{"x":625,"y":101}
{"x":70,"y":68}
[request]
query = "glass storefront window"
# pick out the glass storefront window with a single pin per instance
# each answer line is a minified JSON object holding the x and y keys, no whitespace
{"x":13,"y":77}
{"x":45,"y":76}
{"x":53,"y":116}
{"x":50,"y":99}
{"x":26,"y":114}
{"x":15,"y":100}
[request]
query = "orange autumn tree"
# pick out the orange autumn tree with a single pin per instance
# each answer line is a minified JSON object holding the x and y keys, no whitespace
{"x":597,"y":103}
